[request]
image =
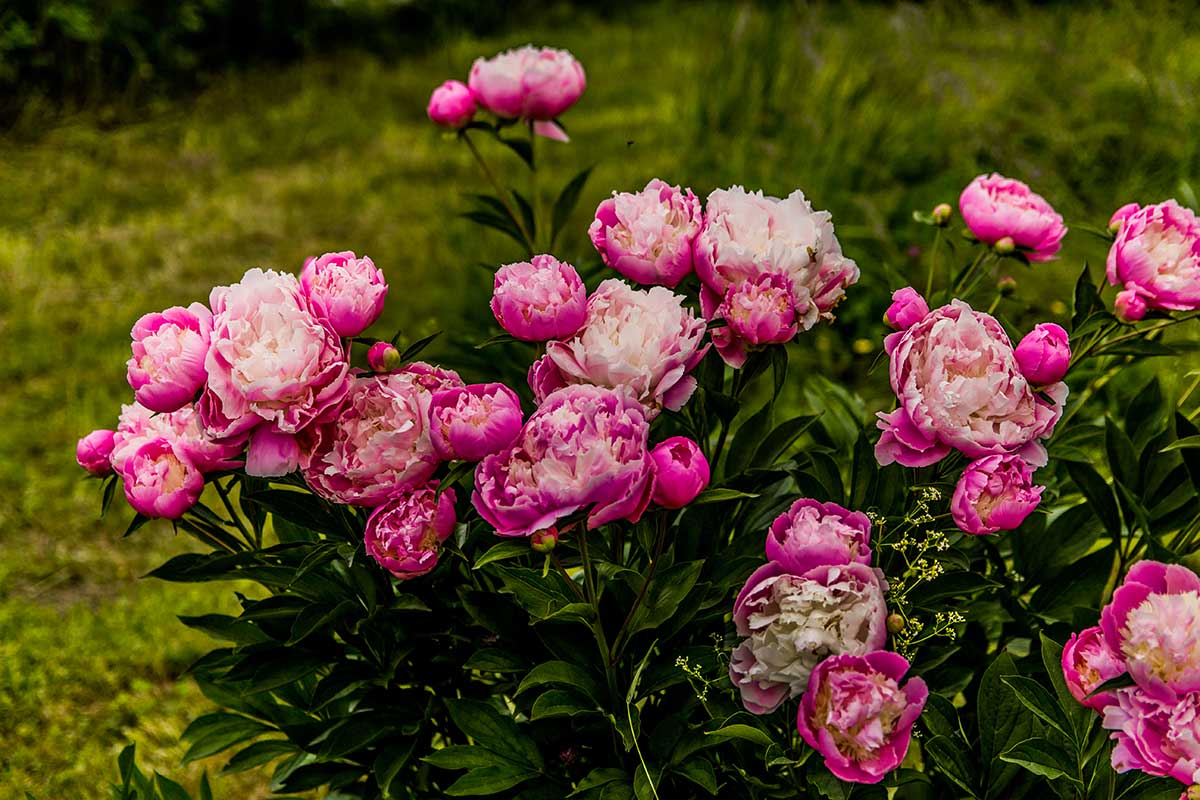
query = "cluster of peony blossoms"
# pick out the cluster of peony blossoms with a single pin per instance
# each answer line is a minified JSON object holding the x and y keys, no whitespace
{"x":814,"y":623}
{"x":1149,"y":632}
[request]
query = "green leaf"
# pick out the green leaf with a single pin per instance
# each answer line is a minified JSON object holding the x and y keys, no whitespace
{"x":135,"y":524}
{"x":499,"y":338}
{"x":562,"y":673}
{"x":561,"y":703}
{"x":464,"y":756}
{"x":224,"y":627}
{"x":668,"y":589}
{"x":212,"y":733}
{"x":1098,"y":494}
{"x":700,"y":772}
{"x":1142,"y":348}
{"x":1081,"y":718}
{"x":414,"y":349}
{"x":502,"y":551}
{"x":1122,"y":459}
{"x":749,"y":435}
{"x":300,"y":508}
{"x":1042,"y":757}
{"x":950,"y":758}
{"x":504,"y":224}
{"x":746,"y":733}
{"x":781,"y":438}
{"x":1187,"y":443}
{"x":1034,"y":697}
{"x":541,"y":597}
{"x":526,"y":214}
{"x":496,"y":660}
{"x":1087,"y":298}
{"x":498,"y":733}
{"x":720,"y":496}
{"x":1002,"y":722}
{"x":258,"y":754}
{"x":169,"y":789}
{"x":390,"y":761}
{"x":568,"y":198}
{"x":597,"y":778}
{"x":490,"y":780}
{"x":317,"y":617}
{"x":519,"y":146}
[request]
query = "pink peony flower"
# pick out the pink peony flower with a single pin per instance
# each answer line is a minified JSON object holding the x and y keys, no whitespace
{"x":584,"y":446}
{"x":452,"y":105}
{"x":1043,"y":354}
{"x":182,"y":428}
{"x":811,"y":534}
{"x":544,"y":379}
{"x":431,"y":378}
{"x":160,"y":480}
{"x":1156,"y":735}
{"x":858,"y":716}
{"x":959,"y":385}
{"x":1087,"y":662}
{"x":995,"y":207}
{"x":272,"y":454}
{"x":539,"y":299}
{"x":1156,"y":256}
{"x":757,"y":312}
{"x":1130,"y":306}
{"x":405,"y":533}
{"x":647,"y":236}
{"x":792,"y":622}
{"x":1153,"y":621}
{"x":166,"y":369}
{"x":94,"y":451}
{"x":470,"y":422}
{"x":907,"y":309}
{"x":995,"y":493}
{"x":272,"y":361}
{"x":641,"y":341}
{"x":378,"y":443}
{"x":1121,"y":214}
{"x":536,"y":84}
{"x":680,"y":472}
{"x":346,"y":291}
{"x":383,"y":357}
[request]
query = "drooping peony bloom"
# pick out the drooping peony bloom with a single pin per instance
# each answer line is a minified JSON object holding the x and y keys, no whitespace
{"x":792,"y":622}
{"x":378,"y":443}
{"x":858,"y":716}
{"x":1156,"y":735}
{"x":182,"y":428}
{"x":585,"y":446}
{"x":641,"y":341}
{"x":1043,"y":354}
{"x":272,"y":361}
{"x":383,"y":357}
{"x":470,"y":422}
{"x":544,"y":378}
{"x":1156,"y":258}
{"x":452,"y":105}
{"x":995,"y":207}
{"x":680,"y":472}
{"x":907,"y":309}
{"x":405,"y":533}
{"x":346,"y":291}
{"x":1153,"y":621}
{"x":995,"y":493}
{"x":1087,"y":662}
{"x":94,"y":452}
{"x":166,"y":369}
{"x":536,"y":84}
{"x":959,"y":386}
{"x":272,"y":454}
{"x":539,"y":299}
{"x":1129,"y":306}
{"x":160,"y":480}
{"x":647,"y":236}
{"x":812,"y":533}
{"x":757,"y":312}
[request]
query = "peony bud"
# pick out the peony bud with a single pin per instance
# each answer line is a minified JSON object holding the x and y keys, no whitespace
{"x":994,"y":493}
{"x":942,"y":213}
{"x":1129,"y":306}
{"x":383,"y":357}
{"x":545,"y":540}
{"x":93,"y":452}
{"x":1044,"y":354}
{"x":680,"y":472}
{"x":1005,"y":245}
{"x":451,"y":105}
{"x":1006,"y":285}
{"x":907,"y":309}
{"x":895,"y":623}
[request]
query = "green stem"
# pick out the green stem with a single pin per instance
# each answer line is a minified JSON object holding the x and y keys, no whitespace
{"x":500,"y":192}
{"x":967,"y":274}
{"x":621,"y":637}
{"x":535,"y":197}
{"x":223,"y":492}
{"x":567,"y":575}
{"x":933,"y":262}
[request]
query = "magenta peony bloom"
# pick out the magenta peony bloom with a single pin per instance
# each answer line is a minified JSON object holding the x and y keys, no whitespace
{"x":959,"y":386}
{"x":166,"y":369}
{"x":641,"y":341}
{"x":544,"y":379}
{"x":94,"y":451}
{"x":383,"y":357}
{"x":470,"y":422}
{"x":1156,"y":735}
{"x":995,"y":493}
{"x":452,"y":105}
{"x":1087,"y":662}
{"x":757,"y":312}
{"x":812,"y":534}
{"x":1156,"y":256}
{"x":539,"y":299}
{"x":995,"y":207}
{"x":272,"y":454}
{"x":907,"y":309}
{"x":647,"y":236}
{"x":182,"y":428}
{"x":160,"y":480}
{"x":1130,"y":306}
{"x":1153,"y":621}
{"x":346,"y":291}
{"x":378,"y":443}
{"x":271,"y":361}
{"x":1043,"y":354}
{"x":405,"y":533}
{"x":584,"y":446}
{"x":680,"y":472}
{"x":858,"y":716}
{"x":531,"y":83}
{"x":1121,"y":214}
{"x":792,"y":622}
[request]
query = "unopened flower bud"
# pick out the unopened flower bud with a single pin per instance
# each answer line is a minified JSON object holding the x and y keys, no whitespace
{"x":383,"y":357}
{"x":1007,"y":285}
{"x":895,"y":623}
{"x":544,"y":541}
{"x":942,"y":213}
{"x":1005,"y":245}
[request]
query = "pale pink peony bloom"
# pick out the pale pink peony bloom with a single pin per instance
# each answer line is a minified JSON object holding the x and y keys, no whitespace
{"x":585,"y":446}
{"x":680,"y":472}
{"x":539,"y":299}
{"x":470,"y":422}
{"x":452,"y":105}
{"x":405,"y":533}
{"x":536,"y":84}
{"x":183,"y":428}
{"x":160,"y":480}
{"x":1156,"y":256}
{"x":383,"y":357}
{"x":1153,"y":621}
{"x":94,"y":452}
{"x":1156,"y":735}
{"x":1130,"y":305}
{"x":1044,"y":354}
{"x":812,"y":533}
{"x":1087,"y":662}
{"x":346,"y":291}
{"x":959,"y":386}
{"x":647,"y":236}
{"x":757,"y":312}
{"x":995,"y":493}
{"x":378,"y":443}
{"x":272,"y":360}
{"x":643,"y":342}
{"x":995,"y":208}
{"x":790,"y":623}
{"x":166,"y":369}
{"x":907,"y":309}
{"x":858,"y":716}
{"x":432,"y":378}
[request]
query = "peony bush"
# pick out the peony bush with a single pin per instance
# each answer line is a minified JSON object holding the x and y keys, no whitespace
{"x":642,"y":558}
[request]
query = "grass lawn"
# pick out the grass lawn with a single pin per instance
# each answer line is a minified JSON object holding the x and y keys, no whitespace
{"x":872,"y":111}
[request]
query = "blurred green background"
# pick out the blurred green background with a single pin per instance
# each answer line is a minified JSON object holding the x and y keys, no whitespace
{"x":152,"y":150}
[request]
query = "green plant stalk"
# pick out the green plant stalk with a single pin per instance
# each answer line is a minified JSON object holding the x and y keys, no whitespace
{"x":620,"y":639}
{"x":933,"y":262}
{"x":967,"y":275}
{"x":223,"y":491}
{"x":500,"y":192}
{"x":535,"y":198}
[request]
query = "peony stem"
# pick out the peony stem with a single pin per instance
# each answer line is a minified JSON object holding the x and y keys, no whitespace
{"x":619,"y":640}
{"x":254,"y":541}
{"x":502,"y":195}
{"x":933,"y":262}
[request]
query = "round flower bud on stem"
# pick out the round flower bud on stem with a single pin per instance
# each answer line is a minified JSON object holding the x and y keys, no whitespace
{"x":545,"y":540}
{"x":383,"y":357}
{"x":942,"y":213}
{"x":895,"y":623}
{"x":1006,"y":285}
{"x":1005,"y":245}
